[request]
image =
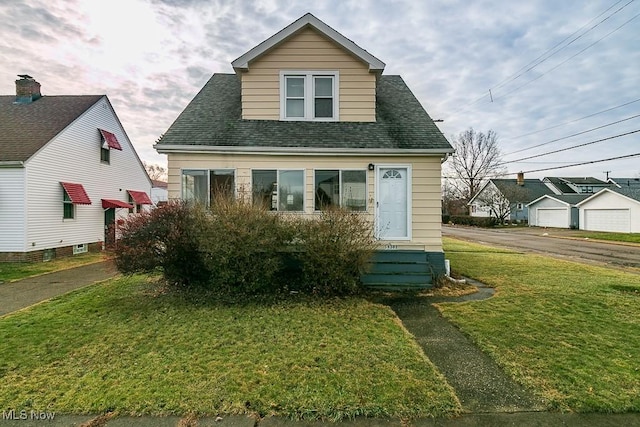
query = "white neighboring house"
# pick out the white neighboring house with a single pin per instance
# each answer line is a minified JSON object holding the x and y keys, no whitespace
{"x":159,"y":193}
{"x":67,"y":171}
{"x":611,"y":209}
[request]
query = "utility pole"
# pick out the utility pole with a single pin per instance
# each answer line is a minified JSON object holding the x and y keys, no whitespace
{"x":607,"y":172}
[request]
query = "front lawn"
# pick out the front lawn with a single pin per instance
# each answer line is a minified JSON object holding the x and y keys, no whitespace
{"x":614,"y":237}
{"x":568,"y":330}
{"x":11,"y":271}
{"x":121,"y":346}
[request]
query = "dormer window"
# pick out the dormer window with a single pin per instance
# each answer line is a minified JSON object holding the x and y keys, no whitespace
{"x":309,"y":95}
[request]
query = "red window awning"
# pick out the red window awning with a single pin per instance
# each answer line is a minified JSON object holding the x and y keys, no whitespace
{"x":110,"y":139}
{"x":76,"y":193}
{"x":111,"y":203}
{"x":140,"y":197}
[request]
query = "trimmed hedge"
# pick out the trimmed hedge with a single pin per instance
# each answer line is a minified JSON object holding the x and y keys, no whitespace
{"x":477,"y":221}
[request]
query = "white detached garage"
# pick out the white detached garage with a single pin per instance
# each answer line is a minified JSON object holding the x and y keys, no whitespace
{"x":558,"y":211}
{"x":614,"y":210}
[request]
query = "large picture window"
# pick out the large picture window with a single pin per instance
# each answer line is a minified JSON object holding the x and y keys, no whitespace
{"x":345,"y":188}
{"x":203,"y":186}
{"x":309,"y":95}
{"x":279,"y":190}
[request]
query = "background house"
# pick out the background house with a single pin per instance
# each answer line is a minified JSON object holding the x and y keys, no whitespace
{"x":67,"y":170}
{"x":159,"y":192}
{"x":586,"y":185}
{"x":507,"y":199}
{"x":307,"y":121}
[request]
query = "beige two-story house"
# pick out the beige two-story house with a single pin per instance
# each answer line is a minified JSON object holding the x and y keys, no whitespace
{"x":308,"y":120}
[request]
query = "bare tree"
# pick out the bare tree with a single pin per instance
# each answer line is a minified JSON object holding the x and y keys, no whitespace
{"x":156,"y":171}
{"x":477,"y":158}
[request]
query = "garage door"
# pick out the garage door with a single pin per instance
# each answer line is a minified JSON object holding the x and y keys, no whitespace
{"x":553,"y":218}
{"x":607,"y":220}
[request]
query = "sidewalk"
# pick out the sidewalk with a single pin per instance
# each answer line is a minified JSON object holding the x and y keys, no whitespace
{"x":26,"y":292}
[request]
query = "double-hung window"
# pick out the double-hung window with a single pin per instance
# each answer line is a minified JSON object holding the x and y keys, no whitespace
{"x":345,"y":188}
{"x":68,"y":208}
{"x":309,"y":95}
{"x":278,"y":190}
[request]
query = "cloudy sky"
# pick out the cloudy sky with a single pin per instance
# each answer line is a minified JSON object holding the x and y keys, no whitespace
{"x":536,"y":72}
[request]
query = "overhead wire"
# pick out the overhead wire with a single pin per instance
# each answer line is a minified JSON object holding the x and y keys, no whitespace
{"x":519,"y":73}
{"x":575,"y":120}
{"x":571,"y":148}
{"x":572,"y":135}
{"x":566,"y":60}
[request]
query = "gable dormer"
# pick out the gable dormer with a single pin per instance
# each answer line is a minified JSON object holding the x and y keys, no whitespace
{"x":308,"y":72}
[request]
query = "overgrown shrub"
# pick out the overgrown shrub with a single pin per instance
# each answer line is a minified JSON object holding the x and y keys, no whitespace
{"x":333,"y":250}
{"x":236,"y":247}
{"x":165,"y":238}
{"x":242,"y":245}
{"x":477,"y":221}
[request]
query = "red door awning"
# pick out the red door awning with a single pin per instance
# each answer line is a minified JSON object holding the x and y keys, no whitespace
{"x":76,"y":193}
{"x":110,"y":139}
{"x":111,"y":203}
{"x":140,"y":197}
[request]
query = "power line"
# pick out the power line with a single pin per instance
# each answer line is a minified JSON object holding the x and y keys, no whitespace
{"x":571,"y":148}
{"x":566,"y":60}
{"x":582,"y":163}
{"x":535,"y":64}
{"x":571,"y":136}
{"x":516,"y":75}
{"x":575,"y":120}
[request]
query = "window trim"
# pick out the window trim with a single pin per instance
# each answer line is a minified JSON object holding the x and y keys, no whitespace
{"x":278,"y":170}
{"x":340,"y":183}
{"x":309,"y":94}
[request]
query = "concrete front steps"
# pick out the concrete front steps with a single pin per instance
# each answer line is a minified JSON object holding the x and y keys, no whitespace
{"x":401,"y":270}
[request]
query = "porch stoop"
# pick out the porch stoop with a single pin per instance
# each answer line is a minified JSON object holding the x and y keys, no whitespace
{"x":403,"y":270}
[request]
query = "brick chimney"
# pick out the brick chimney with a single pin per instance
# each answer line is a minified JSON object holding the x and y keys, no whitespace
{"x":520,"y":179}
{"x":27,"y":89}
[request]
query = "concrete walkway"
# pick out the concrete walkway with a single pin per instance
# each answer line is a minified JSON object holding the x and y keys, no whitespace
{"x":26,"y":292}
{"x":480,"y":384}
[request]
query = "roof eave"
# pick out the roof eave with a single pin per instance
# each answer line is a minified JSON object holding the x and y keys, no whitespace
{"x":11,"y":164}
{"x":242,"y":63}
{"x":295,"y":151}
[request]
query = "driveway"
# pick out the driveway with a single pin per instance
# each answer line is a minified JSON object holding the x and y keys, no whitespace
{"x":552,"y":242}
{"x":23,"y":293}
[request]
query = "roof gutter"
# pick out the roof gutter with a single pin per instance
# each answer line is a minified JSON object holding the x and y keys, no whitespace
{"x":296,"y":151}
{"x":11,"y":164}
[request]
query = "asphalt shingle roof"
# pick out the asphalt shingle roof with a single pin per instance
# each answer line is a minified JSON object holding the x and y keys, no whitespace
{"x":213,"y":118}
{"x":631,"y":192}
{"x":627,"y":182}
{"x":530,"y":191}
{"x":25,"y":128}
{"x":572,"y":199}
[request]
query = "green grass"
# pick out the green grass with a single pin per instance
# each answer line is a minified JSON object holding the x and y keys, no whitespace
{"x":122,"y":347}
{"x":568,"y":330}
{"x":11,"y":271}
{"x":614,"y":237}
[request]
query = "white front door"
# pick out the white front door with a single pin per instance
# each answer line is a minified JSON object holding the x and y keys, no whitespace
{"x":392,"y":204}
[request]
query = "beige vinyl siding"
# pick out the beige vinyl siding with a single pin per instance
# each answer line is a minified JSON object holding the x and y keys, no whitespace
{"x":426,"y":193}
{"x":308,"y":50}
